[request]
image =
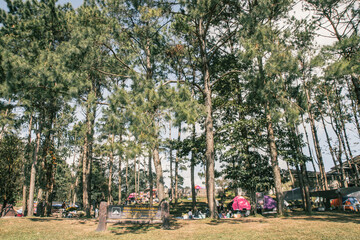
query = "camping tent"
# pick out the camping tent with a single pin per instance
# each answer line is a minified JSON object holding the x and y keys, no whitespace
{"x":269,"y":203}
{"x":240,"y":203}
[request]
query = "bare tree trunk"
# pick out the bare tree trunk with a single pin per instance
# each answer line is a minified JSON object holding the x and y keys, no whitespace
{"x":306,"y":188}
{"x":301,"y":184}
{"x":171,"y":166}
{"x":159,"y":173}
{"x":329,"y":144}
{"x":351,"y":161}
{"x":135,"y":179}
{"x":126,"y":177}
{"x":354,"y":108}
{"x":291,"y":175}
{"x":316,"y":142}
{"x":75,"y":187}
{"x":87,"y":158}
{"x":150,"y":181}
{"x":274,"y":163}
{"x":343,"y":177}
{"x":138,"y":177}
{"x":192,"y":170}
{"x":119,"y":190}
{"x":177,"y":168}
{"x":310,"y":152}
{"x":25,"y":176}
{"x":33,"y":173}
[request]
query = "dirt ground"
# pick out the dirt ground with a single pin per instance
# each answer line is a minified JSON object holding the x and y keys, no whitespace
{"x":331,"y":225}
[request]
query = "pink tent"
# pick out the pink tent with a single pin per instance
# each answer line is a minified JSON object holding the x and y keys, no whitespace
{"x":240,"y":203}
{"x":197,"y":187}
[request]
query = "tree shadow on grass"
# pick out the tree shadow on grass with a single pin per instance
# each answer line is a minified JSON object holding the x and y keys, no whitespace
{"x":339,"y":217}
{"x":236,"y":221}
{"x":44,"y":219}
{"x":122,"y":229}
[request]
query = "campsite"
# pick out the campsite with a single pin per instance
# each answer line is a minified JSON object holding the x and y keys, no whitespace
{"x":184,"y":119}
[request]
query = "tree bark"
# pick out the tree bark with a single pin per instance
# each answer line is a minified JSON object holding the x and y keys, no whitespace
{"x":310,"y":152}
{"x":126,"y":177}
{"x":87,"y":158}
{"x":119,"y":180}
{"x":171,"y":166}
{"x":274,"y":163}
{"x":159,"y":173}
{"x":111,"y":163}
{"x":33,"y":173}
{"x":25,"y":175}
{"x":192,"y":171}
{"x":177,"y":168}
{"x":150,"y":181}
{"x":291,"y":175}
{"x":316,"y":142}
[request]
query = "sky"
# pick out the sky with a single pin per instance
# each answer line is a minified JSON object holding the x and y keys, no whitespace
{"x":327,"y":158}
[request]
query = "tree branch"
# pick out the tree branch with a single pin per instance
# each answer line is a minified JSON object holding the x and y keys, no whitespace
{"x":222,"y":76}
{"x":184,"y":82}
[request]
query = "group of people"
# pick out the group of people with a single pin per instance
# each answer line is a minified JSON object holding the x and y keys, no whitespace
{"x":197,"y":214}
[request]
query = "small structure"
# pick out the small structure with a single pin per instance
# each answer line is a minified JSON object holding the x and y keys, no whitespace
{"x":139,"y":214}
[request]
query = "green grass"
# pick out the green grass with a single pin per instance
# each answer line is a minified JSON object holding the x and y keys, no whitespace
{"x":332,"y":225}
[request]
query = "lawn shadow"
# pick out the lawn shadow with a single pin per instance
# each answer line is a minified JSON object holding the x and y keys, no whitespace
{"x":44,"y":219}
{"x":237,"y":221}
{"x":340,"y":217}
{"x":122,"y":229}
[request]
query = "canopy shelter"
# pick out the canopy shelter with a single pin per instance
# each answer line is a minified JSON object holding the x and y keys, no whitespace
{"x":293,"y":194}
{"x":240,"y":203}
{"x":335,"y":193}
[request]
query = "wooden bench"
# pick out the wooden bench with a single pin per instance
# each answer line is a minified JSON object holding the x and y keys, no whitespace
{"x":137,"y":214}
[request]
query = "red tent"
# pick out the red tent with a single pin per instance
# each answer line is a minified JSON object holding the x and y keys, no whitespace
{"x":240,"y":203}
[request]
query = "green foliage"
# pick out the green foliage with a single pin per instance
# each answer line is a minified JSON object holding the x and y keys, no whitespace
{"x":11,"y":162}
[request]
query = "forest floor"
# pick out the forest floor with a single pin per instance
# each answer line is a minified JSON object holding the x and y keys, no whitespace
{"x":325,"y":225}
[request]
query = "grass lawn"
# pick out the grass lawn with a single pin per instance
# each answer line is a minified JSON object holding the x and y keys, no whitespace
{"x":328,"y":225}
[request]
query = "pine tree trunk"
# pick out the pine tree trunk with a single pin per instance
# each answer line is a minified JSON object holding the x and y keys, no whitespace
{"x":150,"y":181}
{"x":75,"y":187}
{"x":135,"y":178}
{"x":329,"y":144}
{"x":351,"y":162}
{"x":310,"y":152}
{"x":316,"y":143}
{"x":306,"y":188}
{"x":274,"y":163}
{"x":343,"y":180}
{"x":138,"y":177}
{"x":159,"y":173}
{"x":171,"y":166}
{"x":338,"y":135}
{"x":25,"y":176}
{"x":119,"y":173}
{"x":301,"y":184}
{"x":291,"y":175}
{"x":192,"y":171}
{"x":355,"y":110}
{"x":126,"y":177}
{"x":87,"y":158}
{"x":33,"y":174}
{"x":111,"y":159}
{"x":177,"y":168}
{"x":356,"y":84}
